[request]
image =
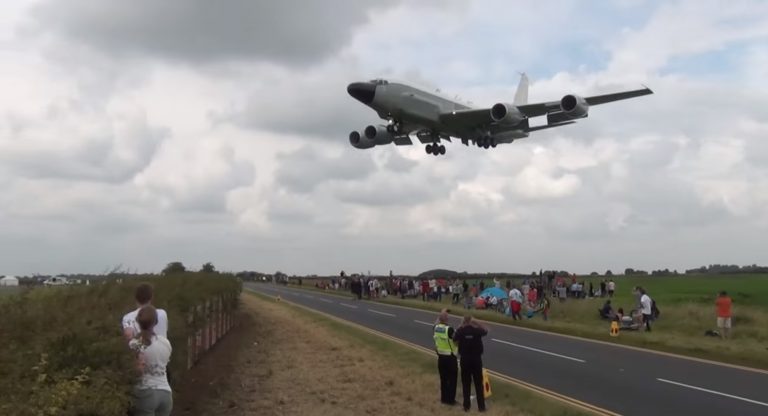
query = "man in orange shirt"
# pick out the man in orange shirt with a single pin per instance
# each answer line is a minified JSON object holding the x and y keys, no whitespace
{"x":723,"y":306}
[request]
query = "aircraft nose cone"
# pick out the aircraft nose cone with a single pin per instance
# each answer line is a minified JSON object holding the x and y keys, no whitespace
{"x":362,"y":91}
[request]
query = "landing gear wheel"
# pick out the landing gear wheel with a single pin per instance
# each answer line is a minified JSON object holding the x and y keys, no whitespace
{"x":395,"y":127}
{"x":493,"y":144}
{"x":442,"y":149}
{"x":429,"y":149}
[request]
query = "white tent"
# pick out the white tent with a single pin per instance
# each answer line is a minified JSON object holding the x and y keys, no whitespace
{"x":9,"y":281}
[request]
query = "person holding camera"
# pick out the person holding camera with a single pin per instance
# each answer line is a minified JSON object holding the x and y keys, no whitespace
{"x":447,"y":364}
{"x":469,"y":339}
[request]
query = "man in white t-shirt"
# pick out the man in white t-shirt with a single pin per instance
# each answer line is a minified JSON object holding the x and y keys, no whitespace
{"x":143,"y":297}
{"x":646,"y":304}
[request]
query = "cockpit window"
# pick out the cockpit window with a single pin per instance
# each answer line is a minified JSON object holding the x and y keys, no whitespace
{"x":379,"y":81}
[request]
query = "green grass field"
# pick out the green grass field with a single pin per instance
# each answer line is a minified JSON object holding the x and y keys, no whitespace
{"x":687,"y":311}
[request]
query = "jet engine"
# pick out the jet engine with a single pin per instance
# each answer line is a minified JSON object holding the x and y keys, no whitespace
{"x":378,"y":134}
{"x":504,"y":113}
{"x":360,"y":142}
{"x":574,"y":106}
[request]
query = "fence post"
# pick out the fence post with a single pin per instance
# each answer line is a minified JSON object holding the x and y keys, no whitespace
{"x":190,"y":340}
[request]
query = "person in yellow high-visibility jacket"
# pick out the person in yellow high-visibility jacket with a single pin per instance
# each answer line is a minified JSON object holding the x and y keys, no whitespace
{"x":447,"y":364}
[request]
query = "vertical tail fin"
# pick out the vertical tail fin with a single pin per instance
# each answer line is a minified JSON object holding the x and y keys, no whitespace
{"x":521,"y":96}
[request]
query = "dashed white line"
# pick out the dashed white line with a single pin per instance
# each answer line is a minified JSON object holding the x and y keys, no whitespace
{"x":713,"y":392}
{"x":348,"y":305}
{"x":382,"y":313}
{"x":538,"y":350}
{"x":309,"y":296}
{"x":325,"y":300}
{"x":423,"y":323}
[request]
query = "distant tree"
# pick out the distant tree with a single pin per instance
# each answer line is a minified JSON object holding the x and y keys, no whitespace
{"x":608,"y":273}
{"x":594,"y":274}
{"x":174,"y":267}
{"x":629,"y":271}
{"x":208,"y":268}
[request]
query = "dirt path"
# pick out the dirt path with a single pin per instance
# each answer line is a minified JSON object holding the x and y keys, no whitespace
{"x":277,"y":362}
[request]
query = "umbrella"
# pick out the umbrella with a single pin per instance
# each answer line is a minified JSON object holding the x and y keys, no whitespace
{"x":494,"y":291}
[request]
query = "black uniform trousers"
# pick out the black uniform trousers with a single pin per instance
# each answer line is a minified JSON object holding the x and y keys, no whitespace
{"x":472,"y":371}
{"x":449,"y":372}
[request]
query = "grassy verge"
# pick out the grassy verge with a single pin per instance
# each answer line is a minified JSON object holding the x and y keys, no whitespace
{"x":507,"y":398}
{"x":680,"y":329}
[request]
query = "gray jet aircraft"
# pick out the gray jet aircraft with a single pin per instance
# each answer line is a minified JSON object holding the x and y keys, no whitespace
{"x":433,"y":118}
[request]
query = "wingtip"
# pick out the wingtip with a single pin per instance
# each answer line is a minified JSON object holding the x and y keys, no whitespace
{"x":650,"y":91}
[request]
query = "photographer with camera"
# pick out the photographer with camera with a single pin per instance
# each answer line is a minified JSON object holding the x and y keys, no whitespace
{"x":469,"y":338}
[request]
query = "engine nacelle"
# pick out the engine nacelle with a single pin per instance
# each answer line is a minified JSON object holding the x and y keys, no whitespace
{"x":504,"y":113}
{"x":574,"y":106}
{"x":378,"y":134}
{"x":360,"y":142}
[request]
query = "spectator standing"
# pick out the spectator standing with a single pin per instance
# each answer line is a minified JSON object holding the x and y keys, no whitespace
{"x":152,"y":394}
{"x":611,"y":288}
{"x":516,"y":303}
{"x":447,"y":364}
{"x":645,"y":303}
{"x":561,"y":292}
{"x":723,"y":305}
{"x":602,"y":288}
{"x":469,"y":339}
{"x":144,"y":295}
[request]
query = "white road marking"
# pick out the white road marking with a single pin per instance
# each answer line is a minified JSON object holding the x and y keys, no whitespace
{"x":309,"y":296}
{"x":538,"y":350}
{"x":713,"y":392}
{"x":325,"y":300}
{"x":423,"y":323}
{"x":348,"y":305}
{"x":382,"y":313}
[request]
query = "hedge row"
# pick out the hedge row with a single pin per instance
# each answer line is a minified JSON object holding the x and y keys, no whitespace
{"x":62,"y":351}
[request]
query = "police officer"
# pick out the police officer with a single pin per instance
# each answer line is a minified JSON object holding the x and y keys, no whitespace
{"x":469,"y":338}
{"x":446,"y":358}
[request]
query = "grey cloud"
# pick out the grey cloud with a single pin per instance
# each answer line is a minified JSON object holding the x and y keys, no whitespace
{"x":315,"y":104}
{"x":114,"y":152}
{"x":290,"y":32}
{"x":390,"y":190}
{"x":304,"y":169}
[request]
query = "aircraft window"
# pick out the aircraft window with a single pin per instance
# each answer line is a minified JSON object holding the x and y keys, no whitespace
{"x":379,"y":81}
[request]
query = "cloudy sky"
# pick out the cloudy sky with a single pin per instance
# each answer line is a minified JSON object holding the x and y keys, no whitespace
{"x":143,"y":132}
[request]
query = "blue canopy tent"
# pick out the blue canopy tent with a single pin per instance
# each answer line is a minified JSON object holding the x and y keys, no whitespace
{"x":494,"y":291}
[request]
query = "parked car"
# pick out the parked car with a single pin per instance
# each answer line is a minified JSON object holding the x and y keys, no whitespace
{"x":56,"y":281}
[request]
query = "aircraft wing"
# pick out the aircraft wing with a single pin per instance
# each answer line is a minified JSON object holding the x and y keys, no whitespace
{"x":482,"y":116}
{"x":540,"y":109}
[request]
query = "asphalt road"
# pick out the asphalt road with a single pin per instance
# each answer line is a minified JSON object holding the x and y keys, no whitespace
{"x":621,"y":380}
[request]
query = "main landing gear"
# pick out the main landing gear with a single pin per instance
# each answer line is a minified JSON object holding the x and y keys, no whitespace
{"x":486,"y":142}
{"x":435,"y":149}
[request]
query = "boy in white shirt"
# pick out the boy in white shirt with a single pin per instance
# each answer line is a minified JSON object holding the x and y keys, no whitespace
{"x":646,"y":307}
{"x":143,"y":297}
